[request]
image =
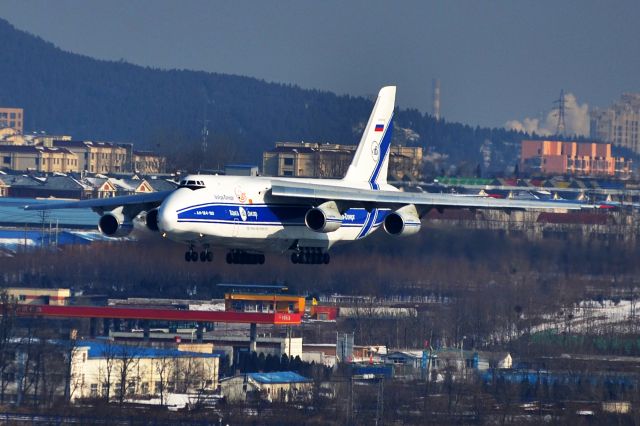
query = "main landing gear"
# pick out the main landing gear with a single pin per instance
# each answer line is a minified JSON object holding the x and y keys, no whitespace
{"x":240,"y":257}
{"x":310,"y":256}
{"x":192,"y":256}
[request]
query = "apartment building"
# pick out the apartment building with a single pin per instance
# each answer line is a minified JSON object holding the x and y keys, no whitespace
{"x":38,"y":159}
{"x":303,"y":159}
{"x":552,"y":157}
{"x":13,"y":118}
{"x":618,"y":124}
{"x":147,"y":162}
{"x":97,"y":157}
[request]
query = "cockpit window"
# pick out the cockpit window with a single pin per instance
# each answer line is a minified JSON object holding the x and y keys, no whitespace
{"x":192,"y":184}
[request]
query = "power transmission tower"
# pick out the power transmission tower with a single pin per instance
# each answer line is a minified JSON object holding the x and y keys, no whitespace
{"x":205,"y":135}
{"x":559,"y":112}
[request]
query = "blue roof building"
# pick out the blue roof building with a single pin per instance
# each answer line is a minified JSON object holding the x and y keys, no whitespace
{"x":98,"y":368}
{"x":278,"y":377}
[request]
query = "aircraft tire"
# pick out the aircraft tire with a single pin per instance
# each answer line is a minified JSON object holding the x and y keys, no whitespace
{"x":326,"y":258}
{"x":209,"y":256}
{"x":187,"y":256}
{"x":194,"y":256}
{"x":229,"y":258}
{"x":203,"y":256}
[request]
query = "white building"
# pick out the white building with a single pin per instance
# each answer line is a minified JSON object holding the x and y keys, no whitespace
{"x":618,"y":124}
{"x":99,"y":368}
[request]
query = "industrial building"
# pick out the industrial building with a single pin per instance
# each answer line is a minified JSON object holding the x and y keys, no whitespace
{"x":618,"y":124}
{"x":304,"y":159}
{"x":281,"y":386}
{"x":554,"y":157}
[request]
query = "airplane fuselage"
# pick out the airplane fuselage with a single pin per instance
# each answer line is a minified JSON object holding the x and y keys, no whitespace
{"x":238,"y":212}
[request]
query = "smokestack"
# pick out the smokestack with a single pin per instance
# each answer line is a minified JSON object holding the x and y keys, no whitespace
{"x":436,"y":98}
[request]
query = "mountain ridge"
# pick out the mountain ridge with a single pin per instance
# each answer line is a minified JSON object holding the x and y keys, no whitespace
{"x":69,"y":93}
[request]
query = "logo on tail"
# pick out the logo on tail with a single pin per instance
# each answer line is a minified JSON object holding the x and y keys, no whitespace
{"x":371,"y":159}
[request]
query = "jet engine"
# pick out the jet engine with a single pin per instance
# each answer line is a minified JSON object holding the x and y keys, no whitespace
{"x":151,"y":220}
{"x":324,"y":218}
{"x":115,"y":224}
{"x":404,"y":221}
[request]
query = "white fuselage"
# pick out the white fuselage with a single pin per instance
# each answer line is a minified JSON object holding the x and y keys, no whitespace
{"x":238,"y":212}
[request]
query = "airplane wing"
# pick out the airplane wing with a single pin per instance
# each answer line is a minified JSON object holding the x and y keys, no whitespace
{"x":134,"y":202}
{"x":423,"y":200}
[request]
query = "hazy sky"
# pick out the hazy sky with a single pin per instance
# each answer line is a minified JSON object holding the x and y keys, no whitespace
{"x":497,"y":60}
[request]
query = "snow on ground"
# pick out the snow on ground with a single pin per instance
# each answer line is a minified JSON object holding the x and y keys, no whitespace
{"x":592,"y":317}
{"x":588,"y":316}
{"x":217,"y":307}
{"x":176,"y":401}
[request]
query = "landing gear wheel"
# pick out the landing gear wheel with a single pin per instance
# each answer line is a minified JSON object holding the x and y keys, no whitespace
{"x":194,"y":256}
{"x":203,"y":256}
{"x":209,"y":256}
{"x":229,"y":258}
{"x":326,"y":258}
{"x":187,"y":256}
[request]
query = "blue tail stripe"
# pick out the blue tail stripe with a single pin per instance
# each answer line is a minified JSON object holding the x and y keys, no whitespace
{"x":384,"y":148}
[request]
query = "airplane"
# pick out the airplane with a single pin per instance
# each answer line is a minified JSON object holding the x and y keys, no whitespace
{"x":251,"y":216}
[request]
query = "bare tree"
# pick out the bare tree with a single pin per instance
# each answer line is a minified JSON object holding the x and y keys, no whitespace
{"x":7,"y":346}
{"x":126,"y":365}
{"x":107,"y":372}
{"x":164,"y":367}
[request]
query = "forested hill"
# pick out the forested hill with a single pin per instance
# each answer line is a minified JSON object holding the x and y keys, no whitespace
{"x":66,"y":93}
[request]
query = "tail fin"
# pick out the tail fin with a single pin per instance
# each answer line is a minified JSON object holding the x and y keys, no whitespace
{"x":371,"y":160}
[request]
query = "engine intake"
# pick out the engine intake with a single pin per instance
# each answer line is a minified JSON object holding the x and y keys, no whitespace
{"x":324,"y":218}
{"x":402,"y":222}
{"x":114,"y":224}
{"x":151,"y":220}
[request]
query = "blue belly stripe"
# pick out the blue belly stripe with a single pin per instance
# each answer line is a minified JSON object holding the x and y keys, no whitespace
{"x":272,"y":215}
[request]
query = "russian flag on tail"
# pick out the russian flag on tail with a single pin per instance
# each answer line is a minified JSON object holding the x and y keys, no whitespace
{"x":379,"y":127}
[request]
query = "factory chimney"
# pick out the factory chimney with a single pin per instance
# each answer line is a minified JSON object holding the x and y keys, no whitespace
{"x":436,"y":98}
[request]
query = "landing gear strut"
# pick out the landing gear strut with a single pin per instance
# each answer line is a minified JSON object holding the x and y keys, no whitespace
{"x":310,"y":256}
{"x":240,"y":257}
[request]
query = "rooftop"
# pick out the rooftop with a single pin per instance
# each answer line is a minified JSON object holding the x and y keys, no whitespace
{"x":103,"y":350}
{"x":278,"y":377}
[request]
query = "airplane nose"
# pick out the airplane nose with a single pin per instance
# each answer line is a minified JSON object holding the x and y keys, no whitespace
{"x":167,"y":216}
{"x":166,"y":219}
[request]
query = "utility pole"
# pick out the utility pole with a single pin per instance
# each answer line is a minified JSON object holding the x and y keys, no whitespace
{"x":380,"y":402}
{"x":43,"y":218}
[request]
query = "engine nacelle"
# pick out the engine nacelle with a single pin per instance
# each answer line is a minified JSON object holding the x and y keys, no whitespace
{"x":115,"y":224}
{"x":402,"y":222}
{"x":151,"y":220}
{"x":324,"y":218}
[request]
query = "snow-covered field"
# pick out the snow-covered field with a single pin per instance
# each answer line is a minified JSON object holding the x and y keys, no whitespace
{"x":591,"y":316}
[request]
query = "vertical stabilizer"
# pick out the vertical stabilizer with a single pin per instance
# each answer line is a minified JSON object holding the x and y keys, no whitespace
{"x":371,"y":160}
